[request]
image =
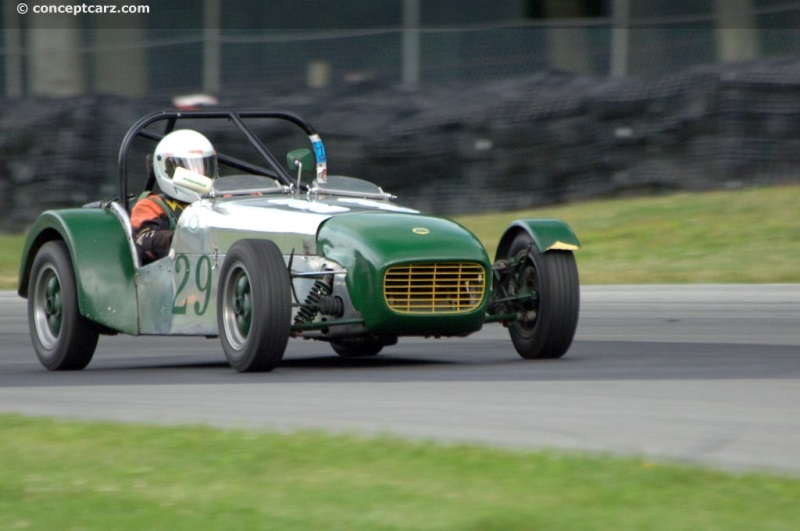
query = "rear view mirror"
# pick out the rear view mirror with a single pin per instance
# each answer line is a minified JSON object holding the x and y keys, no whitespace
{"x":302,"y":156}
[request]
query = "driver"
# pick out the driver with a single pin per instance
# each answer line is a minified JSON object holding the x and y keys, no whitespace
{"x":184,"y":164}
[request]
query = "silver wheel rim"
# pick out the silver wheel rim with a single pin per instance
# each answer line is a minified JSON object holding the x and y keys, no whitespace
{"x":48,"y":307}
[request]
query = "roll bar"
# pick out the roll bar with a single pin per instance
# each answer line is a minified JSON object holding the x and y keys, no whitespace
{"x":273,"y":168}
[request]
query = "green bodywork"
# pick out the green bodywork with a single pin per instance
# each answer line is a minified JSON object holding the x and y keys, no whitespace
{"x":368,"y":243}
{"x":547,"y":234}
{"x":101,"y":258}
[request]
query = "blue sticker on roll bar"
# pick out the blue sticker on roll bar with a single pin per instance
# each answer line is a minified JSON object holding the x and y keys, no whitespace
{"x":322,"y":161}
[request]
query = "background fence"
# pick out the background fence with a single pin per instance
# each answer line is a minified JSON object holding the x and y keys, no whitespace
{"x":206,"y":45}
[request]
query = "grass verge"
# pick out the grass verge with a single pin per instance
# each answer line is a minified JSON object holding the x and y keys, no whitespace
{"x":84,"y":475}
{"x":10,"y":254}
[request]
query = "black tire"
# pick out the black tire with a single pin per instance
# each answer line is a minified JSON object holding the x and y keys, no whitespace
{"x":553,"y":275}
{"x":63,"y":339}
{"x":357,"y":347}
{"x":254,"y":306}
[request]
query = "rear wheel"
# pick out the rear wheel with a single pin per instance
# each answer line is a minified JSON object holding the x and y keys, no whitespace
{"x":254,"y":306}
{"x":549,"y":285}
{"x":62,"y":338}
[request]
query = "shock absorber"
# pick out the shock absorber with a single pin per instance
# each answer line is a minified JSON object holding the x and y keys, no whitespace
{"x":308,"y":310}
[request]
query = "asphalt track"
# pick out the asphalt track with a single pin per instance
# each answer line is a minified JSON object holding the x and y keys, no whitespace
{"x":705,"y":374}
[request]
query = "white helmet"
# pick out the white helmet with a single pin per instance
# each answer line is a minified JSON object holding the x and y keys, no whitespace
{"x":185,"y":165}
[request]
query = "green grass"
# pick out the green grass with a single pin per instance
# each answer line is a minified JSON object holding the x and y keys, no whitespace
{"x":81,"y":475}
{"x":741,"y":236}
{"x":10,"y":253}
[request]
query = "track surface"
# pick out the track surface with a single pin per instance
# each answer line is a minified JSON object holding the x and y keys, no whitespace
{"x":707,"y":374}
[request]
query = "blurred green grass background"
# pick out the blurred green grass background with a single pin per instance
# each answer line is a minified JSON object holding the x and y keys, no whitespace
{"x":85,"y":475}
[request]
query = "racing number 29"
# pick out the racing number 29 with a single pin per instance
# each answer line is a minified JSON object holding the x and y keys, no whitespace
{"x":202,"y":282}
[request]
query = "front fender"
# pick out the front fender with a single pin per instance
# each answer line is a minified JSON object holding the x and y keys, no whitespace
{"x":101,"y":258}
{"x":547,"y":234}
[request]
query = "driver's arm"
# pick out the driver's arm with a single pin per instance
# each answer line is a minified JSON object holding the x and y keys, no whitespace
{"x":151,"y":230}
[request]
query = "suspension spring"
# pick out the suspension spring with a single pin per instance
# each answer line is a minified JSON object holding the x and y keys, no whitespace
{"x":309,"y":309}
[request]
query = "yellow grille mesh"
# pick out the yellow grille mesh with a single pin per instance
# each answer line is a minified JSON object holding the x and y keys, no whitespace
{"x":452,"y":287}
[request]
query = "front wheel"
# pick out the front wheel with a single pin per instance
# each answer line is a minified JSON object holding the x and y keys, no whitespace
{"x":548,"y":286}
{"x":62,"y":338}
{"x":254,"y":306}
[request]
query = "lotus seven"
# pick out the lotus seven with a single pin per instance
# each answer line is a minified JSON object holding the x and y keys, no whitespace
{"x":273,"y":251}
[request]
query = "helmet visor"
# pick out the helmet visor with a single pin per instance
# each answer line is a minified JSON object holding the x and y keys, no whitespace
{"x":203,"y":165}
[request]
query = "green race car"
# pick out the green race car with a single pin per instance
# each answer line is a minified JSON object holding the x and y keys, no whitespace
{"x":274,"y":251}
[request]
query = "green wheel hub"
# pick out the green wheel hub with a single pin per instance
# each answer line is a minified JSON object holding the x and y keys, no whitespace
{"x":53,"y":305}
{"x":527,"y":287}
{"x":243,"y":305}
{"x":237,"y":306}
{"x":48,"y":310}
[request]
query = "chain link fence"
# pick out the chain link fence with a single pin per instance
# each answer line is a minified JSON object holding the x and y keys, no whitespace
{"x":172,"y":50}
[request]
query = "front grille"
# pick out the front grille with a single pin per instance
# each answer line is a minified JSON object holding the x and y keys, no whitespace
{"x":437,"y":288}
